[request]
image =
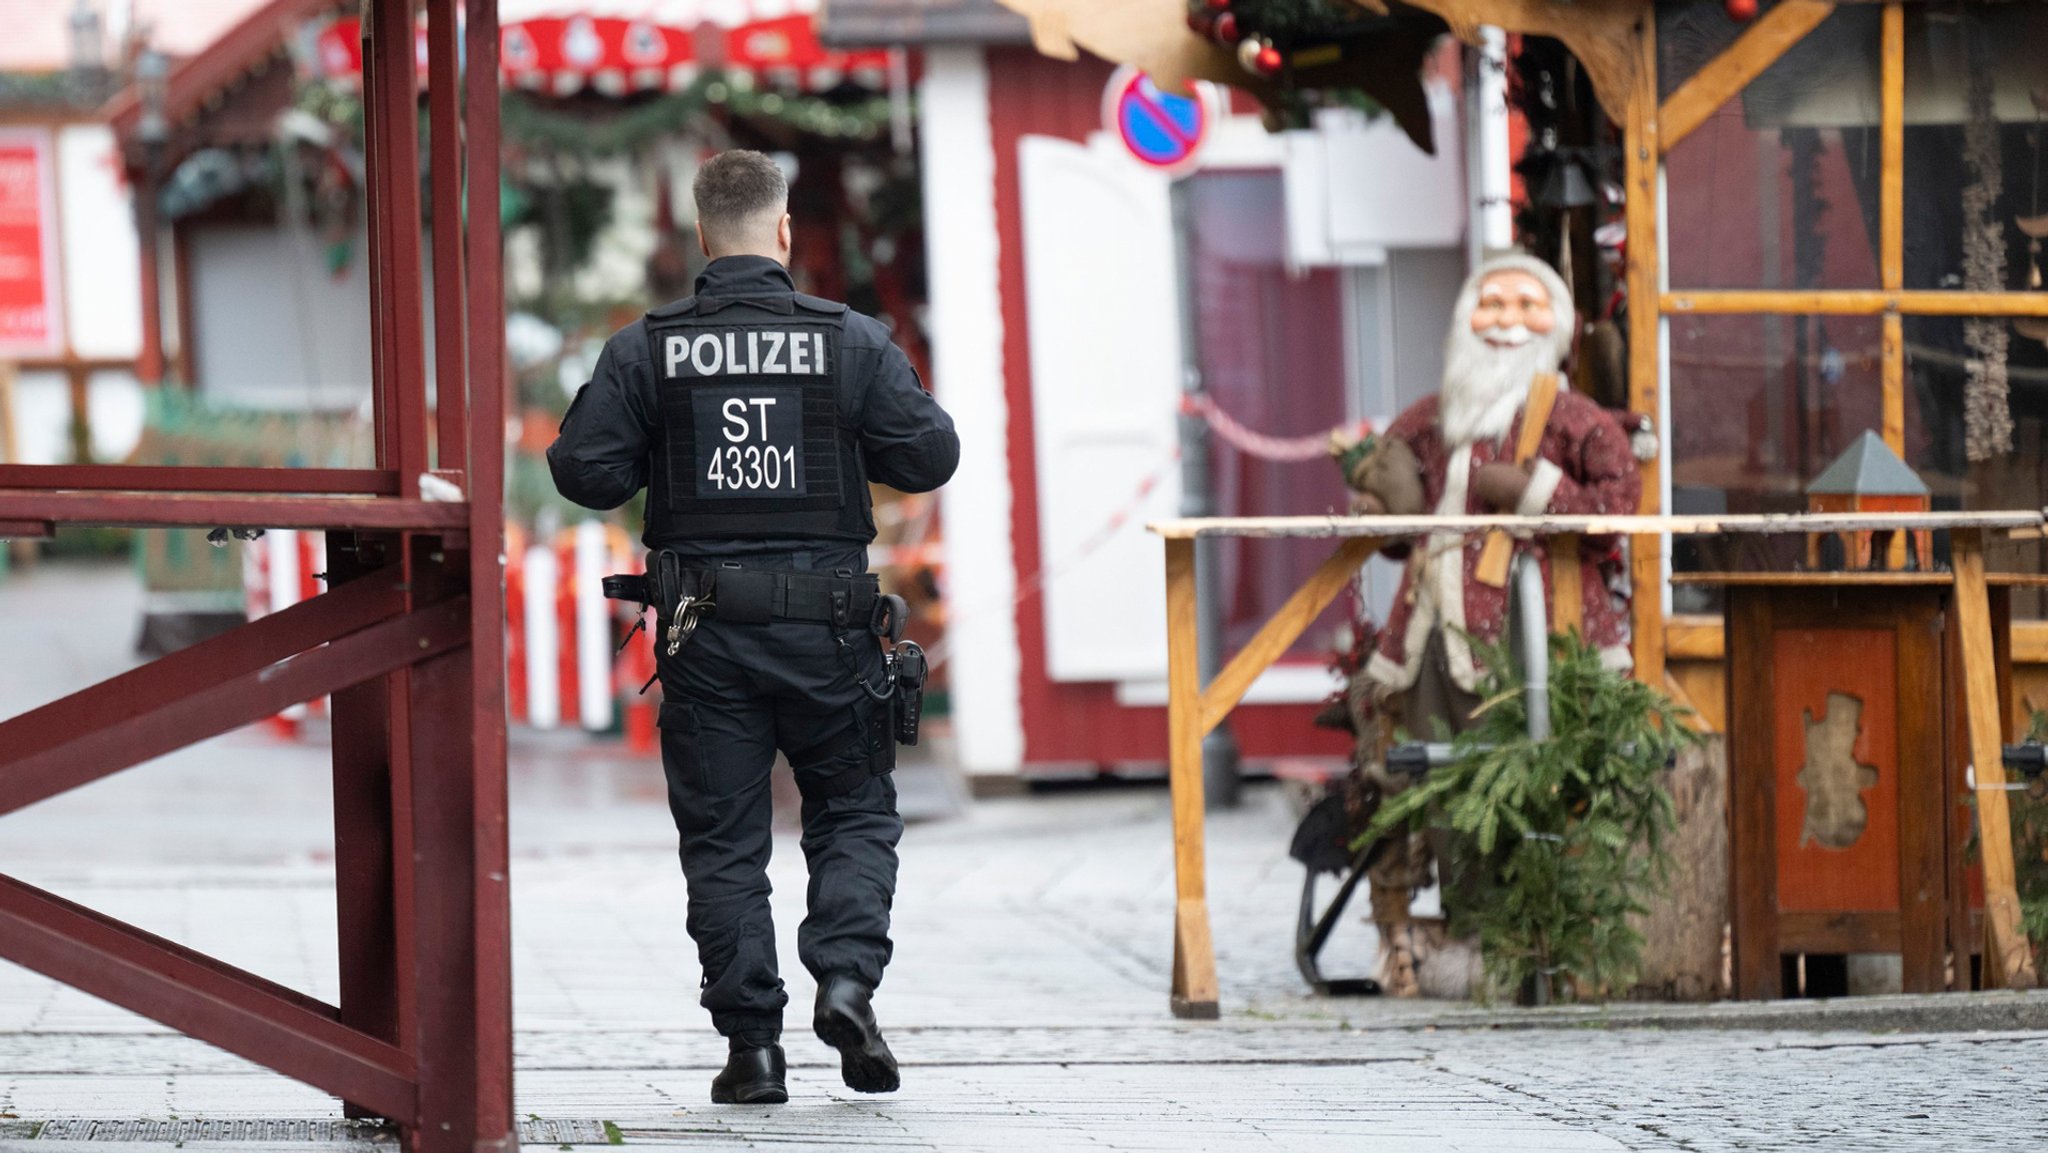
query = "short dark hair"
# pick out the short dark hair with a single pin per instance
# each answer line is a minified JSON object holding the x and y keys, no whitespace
{"x":734,"y":189}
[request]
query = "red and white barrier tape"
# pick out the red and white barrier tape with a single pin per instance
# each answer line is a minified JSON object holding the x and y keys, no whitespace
{"x":1032,"y":585}
{"x":1283,"y":449}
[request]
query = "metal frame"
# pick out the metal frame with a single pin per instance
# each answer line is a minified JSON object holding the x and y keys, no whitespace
{"x":412,"y":626}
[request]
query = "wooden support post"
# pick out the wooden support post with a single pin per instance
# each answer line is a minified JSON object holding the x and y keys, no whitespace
{"x":1723,"y":77}
{"x":1645,"y":364}
{"x":1194,"y":954}
{"x":1192,"y":712}
{"x":1891,"y":227}
{"x":2008,"y":959}
{"x":1567,"y":590}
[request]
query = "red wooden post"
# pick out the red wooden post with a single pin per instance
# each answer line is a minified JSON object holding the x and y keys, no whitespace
{"x":363,"y":846}
{"x":444,"y":134}
{"x":485,"y":301}
{"x":397,"y":327}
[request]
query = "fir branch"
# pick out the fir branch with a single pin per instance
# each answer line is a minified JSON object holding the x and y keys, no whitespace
{"x":1566,"y":835}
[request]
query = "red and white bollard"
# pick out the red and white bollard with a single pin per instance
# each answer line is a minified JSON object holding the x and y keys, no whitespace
{"x":280,"y":569}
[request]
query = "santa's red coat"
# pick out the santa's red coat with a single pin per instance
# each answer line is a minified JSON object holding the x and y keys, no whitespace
{"x":1584,"y":468}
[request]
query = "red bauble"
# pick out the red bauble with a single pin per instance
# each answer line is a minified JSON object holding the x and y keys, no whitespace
{"x":1225,"y":30}
{"x":1741,"y":10}
{"x":1201,"y":24}
{"x":1219,"y":5}
{"x":1269,"y":60}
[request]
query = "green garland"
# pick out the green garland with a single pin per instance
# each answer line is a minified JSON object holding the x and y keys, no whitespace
{"x":1565,"y":836}
{"x":528,"y":122}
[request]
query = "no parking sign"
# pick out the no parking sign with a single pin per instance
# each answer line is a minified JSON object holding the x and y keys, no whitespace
{"x":1161,"y":129}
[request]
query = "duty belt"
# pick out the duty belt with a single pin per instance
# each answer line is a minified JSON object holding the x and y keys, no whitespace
{"x":740,"y":595}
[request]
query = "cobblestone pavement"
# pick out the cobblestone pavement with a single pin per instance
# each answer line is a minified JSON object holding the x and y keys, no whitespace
{"x":1028,"y":999}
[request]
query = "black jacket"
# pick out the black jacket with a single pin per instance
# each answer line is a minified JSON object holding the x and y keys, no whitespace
{"x":602,"y":456}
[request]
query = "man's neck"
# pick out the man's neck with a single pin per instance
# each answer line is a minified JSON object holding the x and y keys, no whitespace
{"x":762,"y":255}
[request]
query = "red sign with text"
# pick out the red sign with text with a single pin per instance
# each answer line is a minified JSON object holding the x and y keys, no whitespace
{"x":28,"y":260}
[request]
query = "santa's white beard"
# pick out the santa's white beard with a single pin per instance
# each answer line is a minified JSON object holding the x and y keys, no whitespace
{"x":1484,"y":386}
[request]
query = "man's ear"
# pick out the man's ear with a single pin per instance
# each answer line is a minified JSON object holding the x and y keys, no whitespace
{"x":783,"y":233}
{"x":701,"y":242}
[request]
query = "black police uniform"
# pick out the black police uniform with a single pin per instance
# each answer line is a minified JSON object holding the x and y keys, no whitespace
{"x":755,"y":416}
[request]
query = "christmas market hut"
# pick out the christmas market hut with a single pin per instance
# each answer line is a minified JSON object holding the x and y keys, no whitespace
{"x":1788,"y":227}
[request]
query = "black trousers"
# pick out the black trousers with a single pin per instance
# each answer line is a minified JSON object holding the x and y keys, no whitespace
{"x":733,"y":696}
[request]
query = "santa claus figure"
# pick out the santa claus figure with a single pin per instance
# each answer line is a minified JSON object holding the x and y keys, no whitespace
{"x":1513,"y":324}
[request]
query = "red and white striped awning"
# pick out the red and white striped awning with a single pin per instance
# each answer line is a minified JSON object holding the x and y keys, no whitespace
{"x":618,"y":47}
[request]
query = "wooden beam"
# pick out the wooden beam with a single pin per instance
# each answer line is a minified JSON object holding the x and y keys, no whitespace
{"x":1292,"y":619}
{"x":1327,"y":527}
{"x":1759,"y":47}
{"x":1194,"y":954}
{"x":1891,"y":215}
{"x":203,"y":998}
{"x":1567,"y":585}
{"x":1694,"y":637}
{"x":1893,"y":376}
{"x":2030,"y":643}
{"x":1645,"y":367}
{"x":1857,"y":302}
{"x":2008,"y":958}
{"x":1891,"y":218}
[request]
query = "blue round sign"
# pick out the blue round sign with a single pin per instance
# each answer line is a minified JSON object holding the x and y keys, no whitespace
{"x":1158,"y":127}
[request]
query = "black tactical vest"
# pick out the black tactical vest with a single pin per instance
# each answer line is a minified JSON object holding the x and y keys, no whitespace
{"x":755,"y":444}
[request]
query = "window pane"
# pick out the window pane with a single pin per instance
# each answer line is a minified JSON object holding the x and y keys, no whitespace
{"x":1271,"y":347}
{"x":1689,"y":35}
{"x":1780,"y":188}
{"x":1939,"y":350}
{"x":1975,"y":96}
{"x":1759,"y":406}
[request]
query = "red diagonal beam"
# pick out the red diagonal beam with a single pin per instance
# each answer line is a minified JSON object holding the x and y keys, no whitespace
{"x":231,"y":703}
{"x":201,"y":997}
{"x":348,"y":607}
{"x":175,"y":478}
{"x":144,"y":509}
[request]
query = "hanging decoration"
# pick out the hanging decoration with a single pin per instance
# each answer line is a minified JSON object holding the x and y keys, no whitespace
{"x":1741,"y":11}
{"x":1300,"y":55}
{"x":1274,"y":36}
{"x":1987,"y":411}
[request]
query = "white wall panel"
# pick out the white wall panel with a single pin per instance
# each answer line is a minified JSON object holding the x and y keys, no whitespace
{"x":102,"y":256}
{"x":1100,"y":281}
{"x":958,"y":162}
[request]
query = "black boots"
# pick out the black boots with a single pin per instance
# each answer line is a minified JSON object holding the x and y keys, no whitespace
{"x":753,"y":1075}
{"x":758,"y":1074}
{"x":846,"y":1022}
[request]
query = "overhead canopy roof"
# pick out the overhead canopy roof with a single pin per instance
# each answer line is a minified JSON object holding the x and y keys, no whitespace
{"x":618,"y":47}
{"x":614,"y":47}
{"x":1153,"y":35}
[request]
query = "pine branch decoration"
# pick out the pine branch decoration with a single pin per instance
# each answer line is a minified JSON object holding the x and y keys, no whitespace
{"x":1564,"y":836}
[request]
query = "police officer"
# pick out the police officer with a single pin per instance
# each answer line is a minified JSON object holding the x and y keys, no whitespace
{"x":755,"y":416}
